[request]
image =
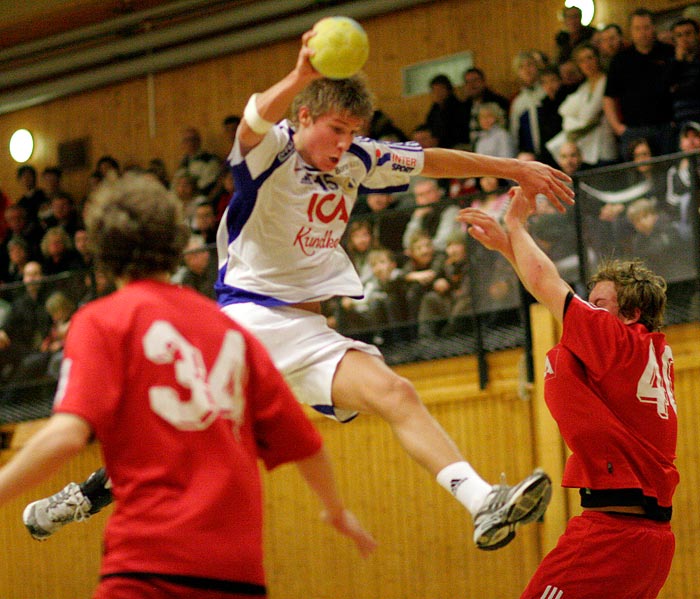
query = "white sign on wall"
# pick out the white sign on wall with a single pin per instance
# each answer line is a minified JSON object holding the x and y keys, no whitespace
{"x":416,"y":77}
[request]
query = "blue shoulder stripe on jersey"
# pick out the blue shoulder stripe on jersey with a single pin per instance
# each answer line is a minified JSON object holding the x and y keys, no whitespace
{"x":408,"y":146}
{"x":219,"y":286}
{"x":240,"y":208}
{"x":366,"y":159}
{"x":246,"y":193}
{"x":242,"y":201}
{"x":362,"y":154}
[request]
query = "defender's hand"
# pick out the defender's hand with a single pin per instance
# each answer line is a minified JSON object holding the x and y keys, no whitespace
{"x":347,"y":524}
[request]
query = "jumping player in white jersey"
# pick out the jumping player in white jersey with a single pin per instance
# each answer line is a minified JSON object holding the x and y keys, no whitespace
{"x":280,"y":256}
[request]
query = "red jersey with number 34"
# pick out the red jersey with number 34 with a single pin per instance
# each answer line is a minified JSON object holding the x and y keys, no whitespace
{"x":184,"y":402}
{"x":609,"y":386}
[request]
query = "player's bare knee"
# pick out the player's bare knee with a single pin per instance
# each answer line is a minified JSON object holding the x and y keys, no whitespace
{"x":398,"y":399}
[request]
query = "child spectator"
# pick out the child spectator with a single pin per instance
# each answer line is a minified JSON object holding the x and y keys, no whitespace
{"x":493,"y":139}
{"x":450,"y":298}
{"x":657,"y":241}
{"x":199,"y":269}
{"x":476,"y":93}
{"x":679,"y":182}
{"x":18,"y":256}
{"x":204,"y":221}
{"x":185,"y":188}
{"x":421,"y":269}
{"x":432,"y":214}
{"x":61,"y":309}
{"x":386,"y":290}
{"x":359,"y":244}
{"x":382,"y":308}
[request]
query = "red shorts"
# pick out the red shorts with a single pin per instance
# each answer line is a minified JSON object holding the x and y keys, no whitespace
{"x":118,"y":587}
{"x":605,"y":555}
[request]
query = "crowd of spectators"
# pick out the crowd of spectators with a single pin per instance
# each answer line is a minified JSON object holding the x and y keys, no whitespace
{"x":602,"y":100}
{"x":46,"y":268}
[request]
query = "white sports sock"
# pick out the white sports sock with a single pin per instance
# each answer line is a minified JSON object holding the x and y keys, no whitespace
{"x":465,"y":484}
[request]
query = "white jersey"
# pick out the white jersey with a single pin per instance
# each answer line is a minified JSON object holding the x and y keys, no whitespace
{"x":279,"y":240}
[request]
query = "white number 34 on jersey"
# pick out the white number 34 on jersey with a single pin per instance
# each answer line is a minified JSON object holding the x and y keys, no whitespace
{"x":214,"y":394}
{"x":655,"y":385}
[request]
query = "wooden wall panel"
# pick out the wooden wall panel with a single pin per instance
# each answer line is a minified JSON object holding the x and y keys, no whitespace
{"x":425,"y":548}
{"x":686,"y":508}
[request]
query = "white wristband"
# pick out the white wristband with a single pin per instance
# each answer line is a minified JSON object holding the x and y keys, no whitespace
{"x":251,"y":115}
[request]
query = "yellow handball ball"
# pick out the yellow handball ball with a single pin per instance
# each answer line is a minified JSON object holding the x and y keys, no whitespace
{"x":341,"y":47}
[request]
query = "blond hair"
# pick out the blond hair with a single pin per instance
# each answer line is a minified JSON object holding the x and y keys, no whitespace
{"x":345,"y":96}
{"x":59,"y":302}
{"x":640,"y":208}
{"x":378,"y":254}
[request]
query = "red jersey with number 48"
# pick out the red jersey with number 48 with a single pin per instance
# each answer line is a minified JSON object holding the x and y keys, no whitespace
{"x":609,"y":386}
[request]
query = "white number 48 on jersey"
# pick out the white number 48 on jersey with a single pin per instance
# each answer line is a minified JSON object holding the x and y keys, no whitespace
{"x":654,"y":386}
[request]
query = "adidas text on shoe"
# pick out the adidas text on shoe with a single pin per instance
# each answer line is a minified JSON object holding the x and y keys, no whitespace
{"x":45,"y":516}
{"x":507,"y":506}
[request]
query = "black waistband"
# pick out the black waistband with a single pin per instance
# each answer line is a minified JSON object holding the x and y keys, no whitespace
{"x":626,"y":497}
{"x":196,"y":582}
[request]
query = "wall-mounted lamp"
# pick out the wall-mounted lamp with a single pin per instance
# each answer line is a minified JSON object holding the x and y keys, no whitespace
{"x":587,"y":9}
{"x":21,"y":145}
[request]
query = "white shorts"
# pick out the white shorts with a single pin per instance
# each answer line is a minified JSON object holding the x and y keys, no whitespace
{"x":304,"y":348}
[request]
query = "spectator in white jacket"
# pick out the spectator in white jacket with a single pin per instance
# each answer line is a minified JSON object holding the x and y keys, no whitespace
{"x":583,"y":120}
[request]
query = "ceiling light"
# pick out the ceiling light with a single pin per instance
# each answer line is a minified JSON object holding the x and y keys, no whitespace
{"x":587,"y":9}
{"x":21,"y":145}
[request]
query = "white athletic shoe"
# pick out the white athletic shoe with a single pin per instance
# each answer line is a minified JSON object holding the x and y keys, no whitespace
{"x":45,"y":516}
{"x":506,"y":506}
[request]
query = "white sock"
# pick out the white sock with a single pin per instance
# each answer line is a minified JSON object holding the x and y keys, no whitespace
{"x":465,"y":484}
